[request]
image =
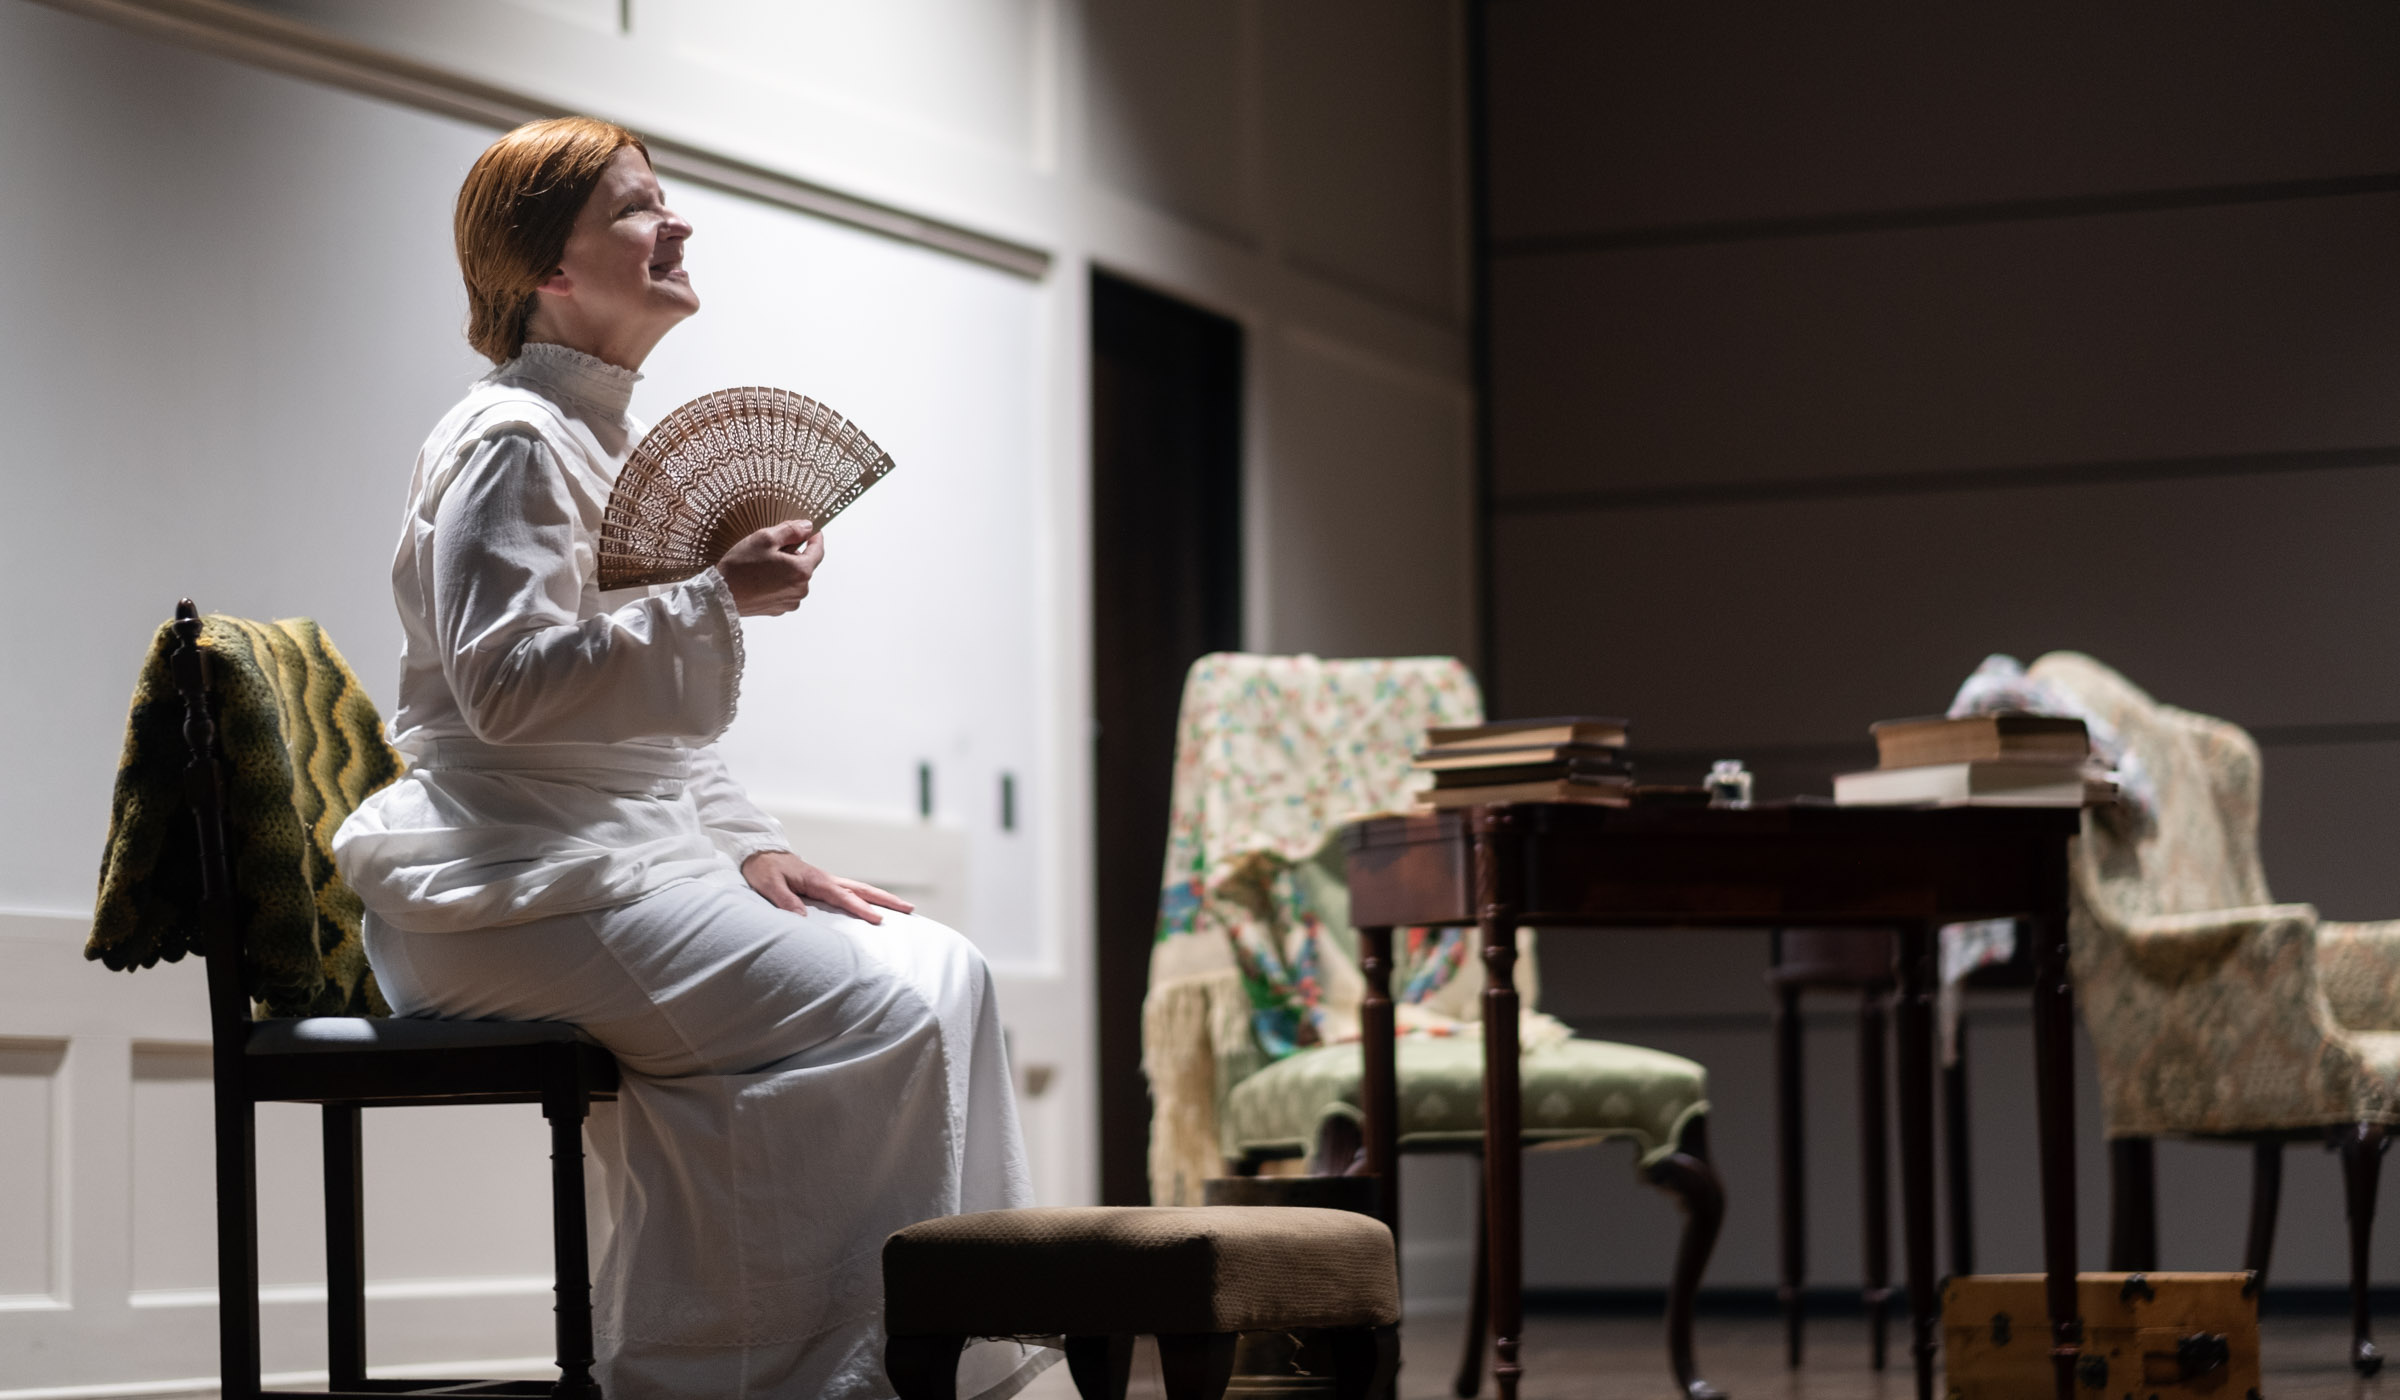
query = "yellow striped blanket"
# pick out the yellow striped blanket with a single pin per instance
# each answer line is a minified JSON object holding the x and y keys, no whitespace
{"x":302,"y":746}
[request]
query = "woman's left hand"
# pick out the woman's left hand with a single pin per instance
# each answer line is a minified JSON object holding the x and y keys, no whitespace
{"x":786,"y":881}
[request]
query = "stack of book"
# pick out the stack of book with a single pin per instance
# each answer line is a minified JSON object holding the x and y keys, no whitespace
{"x":1980,"y":761}
{"x":1570,"y":759}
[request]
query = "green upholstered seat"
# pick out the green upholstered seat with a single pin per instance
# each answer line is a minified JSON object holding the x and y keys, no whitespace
{"x":1574,"y":1089}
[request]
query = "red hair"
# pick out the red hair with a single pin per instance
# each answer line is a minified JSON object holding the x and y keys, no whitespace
{"x":514,"y":214}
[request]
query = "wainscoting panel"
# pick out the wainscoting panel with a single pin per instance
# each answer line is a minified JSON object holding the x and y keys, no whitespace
{"x":107,"y":1190}
{"x":32,"y":1191}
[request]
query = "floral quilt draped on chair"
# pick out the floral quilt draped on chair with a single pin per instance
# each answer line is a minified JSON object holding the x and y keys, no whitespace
{"x":1255,"y":958}
{"x":2213,"y":1010}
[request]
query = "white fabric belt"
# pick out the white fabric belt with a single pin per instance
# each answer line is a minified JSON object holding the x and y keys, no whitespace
{"x":655,"y":769}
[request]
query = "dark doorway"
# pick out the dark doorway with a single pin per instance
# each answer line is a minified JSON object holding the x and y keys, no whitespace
{"x":1166,"y":589}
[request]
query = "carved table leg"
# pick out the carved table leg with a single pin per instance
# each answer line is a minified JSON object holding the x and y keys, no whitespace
{"x":1791,"y":1172}
{"x":1874,"y":1171}
{"x":1957,"y":1161}
{"x":1496,"y":872}
{"x":1913,"y":1022}
{"x":1380,"y":1091}
{"x":2054,"y":1072}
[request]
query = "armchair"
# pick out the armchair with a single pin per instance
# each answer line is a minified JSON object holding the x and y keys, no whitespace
{"x":2210,"y":1006}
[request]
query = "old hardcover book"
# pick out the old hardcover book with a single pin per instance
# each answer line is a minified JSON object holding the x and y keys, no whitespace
{"x":2013,"y":784}
{"x":2154,"y":1336}
{"x":1553,"y":770}
{"x":1526,"y":733}
{"x":1444,"y":760}
{"x":1911,"y":743}
{"x":1610,"y":792}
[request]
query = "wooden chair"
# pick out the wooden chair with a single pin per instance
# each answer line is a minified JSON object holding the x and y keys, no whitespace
{"x":1860,"y":961}
{"x":352,"y":1063}
{"x":1590,"y":1072}
{"x":1274,"y":756}
{"x":1850,"y":960}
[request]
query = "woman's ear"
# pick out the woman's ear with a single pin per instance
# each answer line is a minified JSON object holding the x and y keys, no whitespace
{"x":557,"y":284}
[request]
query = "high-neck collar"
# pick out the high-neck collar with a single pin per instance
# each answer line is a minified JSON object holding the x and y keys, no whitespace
{"x":571,"y":374}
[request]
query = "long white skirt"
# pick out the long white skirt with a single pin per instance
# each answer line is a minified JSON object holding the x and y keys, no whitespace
{"x":795,"y":1089}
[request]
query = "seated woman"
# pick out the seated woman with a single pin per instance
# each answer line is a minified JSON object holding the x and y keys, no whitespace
{"x":808,"y":1066}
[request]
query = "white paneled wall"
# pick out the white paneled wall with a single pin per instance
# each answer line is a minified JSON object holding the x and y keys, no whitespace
{"x":239,"y":315}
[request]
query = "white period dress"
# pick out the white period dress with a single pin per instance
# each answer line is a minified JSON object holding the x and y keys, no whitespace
{"x":565,"y":846}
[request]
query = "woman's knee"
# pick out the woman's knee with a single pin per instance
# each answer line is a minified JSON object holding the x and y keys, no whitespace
{"x":935,"y":953}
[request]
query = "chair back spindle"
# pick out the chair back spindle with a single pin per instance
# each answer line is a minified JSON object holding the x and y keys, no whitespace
{"x":204,"y":789}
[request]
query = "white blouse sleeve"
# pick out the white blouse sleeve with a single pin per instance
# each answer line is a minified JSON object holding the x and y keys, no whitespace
{"x":524,"y":668}
{"x":734,"y":822}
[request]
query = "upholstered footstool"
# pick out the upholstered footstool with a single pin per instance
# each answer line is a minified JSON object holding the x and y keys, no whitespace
{"x":1194,"y":1277}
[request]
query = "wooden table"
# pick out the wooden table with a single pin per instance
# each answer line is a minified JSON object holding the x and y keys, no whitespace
{"x":1570,"y":866}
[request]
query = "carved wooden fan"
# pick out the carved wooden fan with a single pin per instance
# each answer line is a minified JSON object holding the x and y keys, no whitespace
{"x":721,"y":466}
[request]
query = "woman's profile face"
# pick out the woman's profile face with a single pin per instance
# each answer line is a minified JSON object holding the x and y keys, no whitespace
{"x":622,"y":270}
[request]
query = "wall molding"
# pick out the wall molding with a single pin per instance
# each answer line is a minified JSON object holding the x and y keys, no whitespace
{"x":1945,"y":481}
{"x":2007,"y":211}
{"x":304,"y":51}
{"x":502,"y":1368}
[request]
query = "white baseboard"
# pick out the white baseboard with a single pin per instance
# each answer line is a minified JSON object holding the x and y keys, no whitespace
{"x":205,"y":1387}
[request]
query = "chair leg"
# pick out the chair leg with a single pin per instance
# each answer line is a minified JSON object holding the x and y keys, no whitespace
{"x":1694,"y":1182}
{"x":571,"y":1250}
{"x":1791,"y":1196}
{"x":1365,"y":1359}
{"x":345,"y":1249}
{"x":1469,"y":1380}
{"x":2362,"y":1163}
{"x":1196,"y":1365}
{"x":1874,"y":1171}
{"x":2132,"y":1206}
{"x":237,"y":1241}
{"x":1961,"y":1160}
{"x":2266,"y":1195}
{"x":926,"y":1367}
{"x":1101,"y":1366}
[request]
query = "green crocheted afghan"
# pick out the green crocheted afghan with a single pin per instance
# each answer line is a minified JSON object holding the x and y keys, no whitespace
{"x":302,"y":746}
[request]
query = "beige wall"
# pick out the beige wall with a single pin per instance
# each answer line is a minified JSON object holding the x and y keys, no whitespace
{"x":1838,"y":346}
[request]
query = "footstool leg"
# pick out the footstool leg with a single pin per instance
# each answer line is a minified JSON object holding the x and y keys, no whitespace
{"x":1197,"y":1365}
{"x":924,"y":1368}
{"x":1101,"y":1366}
{"x":1364,"y":1361}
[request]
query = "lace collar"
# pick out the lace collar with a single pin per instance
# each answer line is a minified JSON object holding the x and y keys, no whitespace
{"x":570,"y":374}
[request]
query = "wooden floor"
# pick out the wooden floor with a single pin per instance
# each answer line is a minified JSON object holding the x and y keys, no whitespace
{"x":1576,"y":1358}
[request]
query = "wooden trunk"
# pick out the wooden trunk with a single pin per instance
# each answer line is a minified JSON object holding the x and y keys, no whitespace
{"x":2145,"y":1337}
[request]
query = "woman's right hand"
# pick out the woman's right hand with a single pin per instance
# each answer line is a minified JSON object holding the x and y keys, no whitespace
{"x":768,"y":570}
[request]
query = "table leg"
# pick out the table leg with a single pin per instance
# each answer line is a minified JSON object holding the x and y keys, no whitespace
{"x":1380,"y":1092}
{"x":1913,"y":1024}
{"x":1498,"y":901}
{"x":2054,"y":1070}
